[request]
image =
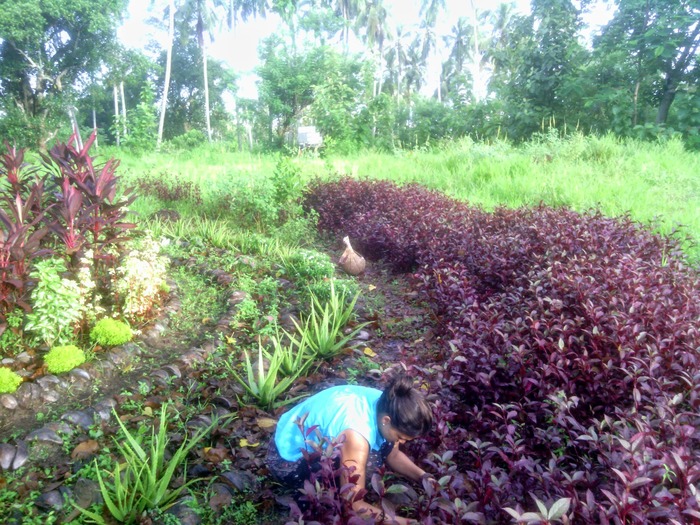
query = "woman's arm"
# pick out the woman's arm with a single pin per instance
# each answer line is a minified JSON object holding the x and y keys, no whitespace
{"x":402,"y":464}
{"x":354,"y":453}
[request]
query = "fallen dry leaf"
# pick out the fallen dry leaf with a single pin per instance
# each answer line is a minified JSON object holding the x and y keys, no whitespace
{"x":371,"y":287}
{"x":85,"y":449}
{"x":245,"y":443}
{"x":215,"y":454}
{"x":266,"y":422}
{"x":369,"y":352}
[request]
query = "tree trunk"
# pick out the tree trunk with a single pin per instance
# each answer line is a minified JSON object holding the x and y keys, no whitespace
{"x":476,"y":88}
{"x":168,"y":67}
{"x":121,"y":92}
{"x":116,"y":115}
{"x":635,"y":105}
{"x":94,"y":126}
{"x":666,"y":101}
{"x":74,"y":125}
{"x":206,"y":91}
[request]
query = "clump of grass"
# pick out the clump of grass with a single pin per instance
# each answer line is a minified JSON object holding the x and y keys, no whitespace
{"x":9,"y":380}
{"x":63,"y":358}
{"x":110,"y":332}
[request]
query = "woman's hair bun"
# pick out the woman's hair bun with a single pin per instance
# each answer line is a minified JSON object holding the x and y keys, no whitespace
{"x":401,"y":385}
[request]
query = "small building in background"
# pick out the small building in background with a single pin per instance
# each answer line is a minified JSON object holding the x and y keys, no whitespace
{"x":308,"y":137}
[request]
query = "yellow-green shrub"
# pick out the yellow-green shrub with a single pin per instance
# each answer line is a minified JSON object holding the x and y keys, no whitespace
{"x":63,"y":358}
{"x":9,"y":381}
{"x":110,"y":332}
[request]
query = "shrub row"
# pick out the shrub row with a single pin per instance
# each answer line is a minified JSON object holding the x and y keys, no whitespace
{"x":570,"y":370}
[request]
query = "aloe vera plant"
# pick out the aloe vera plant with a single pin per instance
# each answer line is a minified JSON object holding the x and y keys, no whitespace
{"x":141,"y":478}
{"x":322,"y":330}
{"x":266,"y":384}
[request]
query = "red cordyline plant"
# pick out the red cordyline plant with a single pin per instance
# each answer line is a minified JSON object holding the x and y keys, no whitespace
{"x":90,"y":210}
{"x":569,"y":385}
{"x":80,"y":207}
{"x":21,"y":230}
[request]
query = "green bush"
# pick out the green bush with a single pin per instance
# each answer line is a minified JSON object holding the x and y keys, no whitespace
{"x":63,"y":358}
{"x":306,"y":265}
{"x":56,"y":304}
{"x":9,"y":381}
{"x":110,"y":332}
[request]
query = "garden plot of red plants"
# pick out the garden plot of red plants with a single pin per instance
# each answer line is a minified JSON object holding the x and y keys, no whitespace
{"x":569,"y":390}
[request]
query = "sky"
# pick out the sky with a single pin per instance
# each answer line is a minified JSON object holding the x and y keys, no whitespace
{"x":239,"y":48}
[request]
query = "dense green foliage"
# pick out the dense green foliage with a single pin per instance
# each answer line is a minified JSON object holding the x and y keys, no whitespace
{"x":655,"y":183}
{"x":496,"y":73}
{"x":45,"y":49}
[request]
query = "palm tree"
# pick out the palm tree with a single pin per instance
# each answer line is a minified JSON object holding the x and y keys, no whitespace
{"x":396,"y":57}
{"x":168,"y":67}
{"x":372,"y":22}
{"x":458,"y":41}
{"x":429,"y":11}
{"x":348,"y":10}
{"x":203,"y":12}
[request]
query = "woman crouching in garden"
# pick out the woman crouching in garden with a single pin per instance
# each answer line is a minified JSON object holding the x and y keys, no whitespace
{"x":372,"y":424}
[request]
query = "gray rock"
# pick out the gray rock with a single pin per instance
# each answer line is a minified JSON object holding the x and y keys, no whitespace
{"x":363,"y":335}
{"x":45,"y":434}
{"x":184,"y":513}
{"x":222,"y":402}
{"x":8,"y":401}
{"x":48,"y":381}
{"x":27,"y":393}
{"x":173,"y":370}
{"x":52,"y":500}
{"x":104,"y":408}
{"x":118,"y":356}
{"x":108,"y":402}
{"x":220,"y":497}
{"x":106,"y":366}
{"x":24,"y":358}
{"x":83,"y":418}
{"x":7,"y":361}
{"x":240,"y":480}
{"x":7,"y":455}
{"x":132,"y":348}
{"x":50,"y":396}
{"x":161,"y":377}
{"x":199,"y":422}
{"x":60,"y":427}
{"x":21,"y":455}
{"x":78,"y":374}
{"x":86,"y":492}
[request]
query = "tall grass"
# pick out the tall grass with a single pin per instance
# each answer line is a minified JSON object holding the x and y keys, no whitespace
{"x":655,"y":183}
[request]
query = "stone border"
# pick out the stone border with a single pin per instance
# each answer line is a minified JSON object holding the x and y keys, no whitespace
{"x":45,"y":389}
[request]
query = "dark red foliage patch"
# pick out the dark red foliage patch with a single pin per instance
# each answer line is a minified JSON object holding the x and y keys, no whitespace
{"x":570,"y":367}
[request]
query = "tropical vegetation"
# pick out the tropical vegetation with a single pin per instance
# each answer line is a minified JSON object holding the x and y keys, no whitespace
{"x":349,"y":69}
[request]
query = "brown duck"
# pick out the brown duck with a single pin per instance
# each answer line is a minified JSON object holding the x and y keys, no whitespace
{"x":351,"y":261}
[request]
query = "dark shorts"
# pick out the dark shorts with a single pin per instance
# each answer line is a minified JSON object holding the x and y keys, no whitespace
{"x":293,"y":473}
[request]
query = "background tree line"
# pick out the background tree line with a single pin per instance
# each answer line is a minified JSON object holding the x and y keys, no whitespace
{"x":346,"y":67}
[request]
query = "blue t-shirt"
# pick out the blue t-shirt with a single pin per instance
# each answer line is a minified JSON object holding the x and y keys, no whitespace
{"x":334,"y":410}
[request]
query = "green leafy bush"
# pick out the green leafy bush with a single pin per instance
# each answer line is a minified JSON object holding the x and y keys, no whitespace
{"x":110,"y":332}
{"x":56,"y":304}
{"x":307,"y":265}
{"x":63,"y":358}
{"x":140,"y":278}
{"x":9,"y":381}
